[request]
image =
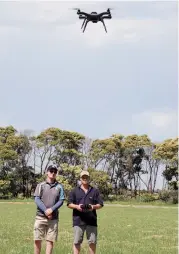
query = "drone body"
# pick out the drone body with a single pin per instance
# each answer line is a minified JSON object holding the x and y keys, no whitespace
{"x":94,"y":17}
{"x":137,"y":158}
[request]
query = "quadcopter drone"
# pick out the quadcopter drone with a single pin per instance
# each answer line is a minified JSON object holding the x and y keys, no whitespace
{"x":137,"y":157}
{"x":93,"y":17}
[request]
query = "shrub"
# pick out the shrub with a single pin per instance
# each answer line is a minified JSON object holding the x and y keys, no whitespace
{"x":111,"y":197}
{"x":170,"y":196}
{"x":174,"y":197}
{"x":4,"y":187}
{"x":147,"y":197}
{"x":164,"y":195}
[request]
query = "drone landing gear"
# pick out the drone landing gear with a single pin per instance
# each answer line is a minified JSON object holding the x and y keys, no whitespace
{"x":104,"y":25}
{"x":85,"y":24}
{"x":102,"y":20}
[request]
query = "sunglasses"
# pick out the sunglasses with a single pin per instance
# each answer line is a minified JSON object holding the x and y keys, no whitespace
{"x":85,"y":177}
{"x":53,"y":171}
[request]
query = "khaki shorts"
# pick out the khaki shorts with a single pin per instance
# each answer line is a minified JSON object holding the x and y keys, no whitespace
{"x":91,"y":234}
{"x":45,"y":229}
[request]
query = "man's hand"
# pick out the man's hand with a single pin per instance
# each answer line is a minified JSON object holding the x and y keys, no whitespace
{"x":78,"y":207}
{"x":49,"y":216}
{"x":91,"y":209}
{"x":95,"y":207}
{"x":48,"y":212}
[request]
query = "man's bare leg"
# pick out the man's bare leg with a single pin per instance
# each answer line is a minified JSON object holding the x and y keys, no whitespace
{"x":37,"y":246}
{"x":92,"y":248}
{"x":76,"y":248}
{"x":49,"y":247}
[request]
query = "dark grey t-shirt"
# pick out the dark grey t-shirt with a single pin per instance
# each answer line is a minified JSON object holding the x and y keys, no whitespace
{"x":50,"y":194}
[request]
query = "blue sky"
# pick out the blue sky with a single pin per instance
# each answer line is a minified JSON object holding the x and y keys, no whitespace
{"x":53,"y":75}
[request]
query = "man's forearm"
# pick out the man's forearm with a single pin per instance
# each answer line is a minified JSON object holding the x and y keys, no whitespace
{"x":96,"y":207}
{"x":40,"y":204}
{"x":72,"y":206}
{"x":57,"y":205}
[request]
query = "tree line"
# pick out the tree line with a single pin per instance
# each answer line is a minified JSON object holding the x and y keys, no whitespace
{"x":118,"y":164}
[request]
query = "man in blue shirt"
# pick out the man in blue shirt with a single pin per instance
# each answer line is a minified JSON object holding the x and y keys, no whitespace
{"x":85,"y":217}
{"x":49,"y":197}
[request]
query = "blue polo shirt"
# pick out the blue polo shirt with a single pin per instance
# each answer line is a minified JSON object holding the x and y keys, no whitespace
{"x":78,"y":196}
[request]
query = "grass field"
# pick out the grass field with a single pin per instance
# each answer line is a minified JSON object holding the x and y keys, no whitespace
{"x":125,"y":230}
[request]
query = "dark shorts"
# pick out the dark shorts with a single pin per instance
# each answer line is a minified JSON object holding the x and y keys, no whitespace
{"x":91,"y":234}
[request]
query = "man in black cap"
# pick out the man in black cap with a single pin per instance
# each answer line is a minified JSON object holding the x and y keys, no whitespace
{"x":85,"y":200}
{"x":49,"y":197}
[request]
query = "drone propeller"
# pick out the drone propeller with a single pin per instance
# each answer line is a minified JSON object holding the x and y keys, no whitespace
{"x":75,"y":9}
{"x":110,"y":9}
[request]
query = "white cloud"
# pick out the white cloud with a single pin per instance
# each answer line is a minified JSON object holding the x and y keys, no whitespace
{"x":160,"y":123}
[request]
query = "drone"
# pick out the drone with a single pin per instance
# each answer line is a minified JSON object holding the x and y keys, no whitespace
{"x":93,"y":17}
{"x":137,"y":157}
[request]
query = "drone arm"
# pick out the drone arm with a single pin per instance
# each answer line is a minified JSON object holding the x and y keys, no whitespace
{"x":83,"y":13}
{"x":107,"y":17}
{"x":103,"y":13}
{"x":82,"y":17}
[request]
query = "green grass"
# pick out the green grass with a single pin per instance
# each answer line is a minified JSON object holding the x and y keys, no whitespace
{"x":125,"y":202}
{"x":138,"y":202}
{"x":125,"y":230}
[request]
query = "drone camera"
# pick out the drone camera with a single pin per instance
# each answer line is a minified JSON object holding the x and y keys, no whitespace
{"x":86,"y":207}
{"x":140,"y":151}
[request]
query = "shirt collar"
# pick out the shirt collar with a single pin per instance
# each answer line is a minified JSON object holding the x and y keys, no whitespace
{"x":89,"y":187}
{"x":52,"y":184}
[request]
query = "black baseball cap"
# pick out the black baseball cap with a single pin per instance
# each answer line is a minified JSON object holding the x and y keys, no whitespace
{"x":52,"y":168}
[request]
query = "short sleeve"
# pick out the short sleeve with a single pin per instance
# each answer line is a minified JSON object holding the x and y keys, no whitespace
{"x":98,"y":198}
{"x":37,"y":192}
{"x":71,"y":198}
